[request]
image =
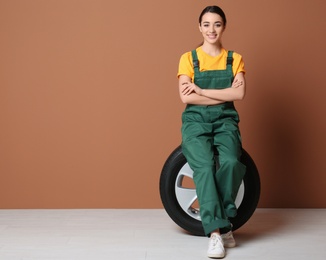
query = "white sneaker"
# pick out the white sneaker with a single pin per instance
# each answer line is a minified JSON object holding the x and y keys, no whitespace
{"x":215,"y":247}
{"x":228,"y":239}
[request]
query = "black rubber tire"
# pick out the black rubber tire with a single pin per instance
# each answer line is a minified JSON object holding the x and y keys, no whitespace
{"x":168,"y":177}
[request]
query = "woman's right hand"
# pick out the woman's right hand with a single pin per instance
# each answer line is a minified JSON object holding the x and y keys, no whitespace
{"x":189,"y":87}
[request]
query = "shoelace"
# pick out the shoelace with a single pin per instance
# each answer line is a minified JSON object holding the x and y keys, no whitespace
{"x":214,"y":240}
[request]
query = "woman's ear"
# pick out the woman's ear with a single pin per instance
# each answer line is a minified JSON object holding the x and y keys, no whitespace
{"x":199,"y":28}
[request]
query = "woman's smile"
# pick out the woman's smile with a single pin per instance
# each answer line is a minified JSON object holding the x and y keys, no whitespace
{"x":212,"y":36}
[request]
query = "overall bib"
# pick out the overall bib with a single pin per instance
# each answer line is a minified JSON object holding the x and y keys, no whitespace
{"x":206,"y":129}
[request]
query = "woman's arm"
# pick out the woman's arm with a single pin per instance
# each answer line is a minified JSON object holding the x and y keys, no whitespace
{"x":235,"y":92}
{"x":192,"y":97}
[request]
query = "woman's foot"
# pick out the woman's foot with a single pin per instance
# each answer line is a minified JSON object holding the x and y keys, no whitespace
{"x":215,"y":246}
{"x":228,"y":240}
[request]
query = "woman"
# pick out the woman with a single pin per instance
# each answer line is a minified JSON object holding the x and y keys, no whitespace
{"x":210,"y":79}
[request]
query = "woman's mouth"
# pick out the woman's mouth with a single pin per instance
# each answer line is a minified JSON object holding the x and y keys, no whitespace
{"x":212,"y":36}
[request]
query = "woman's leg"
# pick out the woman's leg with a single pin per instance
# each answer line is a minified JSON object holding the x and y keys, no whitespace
{"x":231,"y":171}
{"x":198,"y":149}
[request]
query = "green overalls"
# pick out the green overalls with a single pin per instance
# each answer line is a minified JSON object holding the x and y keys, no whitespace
{"x":204,"y":129}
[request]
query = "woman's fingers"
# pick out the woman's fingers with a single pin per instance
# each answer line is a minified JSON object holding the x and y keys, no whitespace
{"x":187,"y":89}
{"x":237,"y":84}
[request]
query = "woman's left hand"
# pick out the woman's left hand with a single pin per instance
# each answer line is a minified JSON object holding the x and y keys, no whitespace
{"x":237,"y":83}
{"x":190,"y":88}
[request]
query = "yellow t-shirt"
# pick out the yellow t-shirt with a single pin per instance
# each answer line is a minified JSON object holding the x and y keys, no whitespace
{"x":207,"y":62}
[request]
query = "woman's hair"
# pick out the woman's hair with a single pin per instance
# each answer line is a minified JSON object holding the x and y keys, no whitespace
{"x":213,"y":9}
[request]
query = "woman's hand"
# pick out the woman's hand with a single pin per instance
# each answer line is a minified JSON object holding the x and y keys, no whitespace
{"x":237,"y":83}
{"x":189,"y":88}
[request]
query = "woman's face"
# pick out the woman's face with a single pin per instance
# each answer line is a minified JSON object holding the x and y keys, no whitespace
{"x":212,"y":28}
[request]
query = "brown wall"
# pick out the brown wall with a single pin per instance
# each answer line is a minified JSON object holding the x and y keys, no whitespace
{"x":89,"y":108}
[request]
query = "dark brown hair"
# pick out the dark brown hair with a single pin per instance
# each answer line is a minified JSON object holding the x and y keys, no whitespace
{"x":213,"y":9}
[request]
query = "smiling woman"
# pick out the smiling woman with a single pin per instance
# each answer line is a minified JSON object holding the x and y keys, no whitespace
{"x":210,"y":80}
{"x":213,"y":25}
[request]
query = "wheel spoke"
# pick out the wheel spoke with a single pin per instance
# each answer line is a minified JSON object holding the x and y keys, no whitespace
{"x":186,"y":197}
{"x":186,"y":171}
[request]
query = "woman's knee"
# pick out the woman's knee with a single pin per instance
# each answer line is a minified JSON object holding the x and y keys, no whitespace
{"x":231,"y":161}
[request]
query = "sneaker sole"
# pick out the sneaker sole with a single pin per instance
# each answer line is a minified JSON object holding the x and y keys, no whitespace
{"x":230,"y":245}
{"x":216,"y":256}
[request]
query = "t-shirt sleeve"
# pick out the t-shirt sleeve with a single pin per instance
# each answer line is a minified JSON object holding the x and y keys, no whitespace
{"x":186,"y":66}
{"x":238,"y":64}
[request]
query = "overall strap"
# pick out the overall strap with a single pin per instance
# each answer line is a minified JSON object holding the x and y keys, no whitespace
{"x":229,"y":63}
{"x":195,"y":61}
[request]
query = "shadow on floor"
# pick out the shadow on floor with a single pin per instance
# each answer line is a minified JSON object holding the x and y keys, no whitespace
{"x":263,"y":223}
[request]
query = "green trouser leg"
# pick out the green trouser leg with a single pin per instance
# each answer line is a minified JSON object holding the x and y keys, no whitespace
{"x":231,"y":171}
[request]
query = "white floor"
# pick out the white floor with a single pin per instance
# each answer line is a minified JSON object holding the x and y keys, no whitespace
{"x":152,"y":235}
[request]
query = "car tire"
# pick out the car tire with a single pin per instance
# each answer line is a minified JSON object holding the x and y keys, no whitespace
{"x":178,"y":201}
